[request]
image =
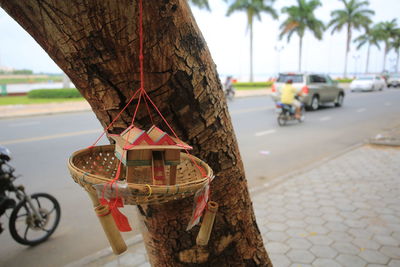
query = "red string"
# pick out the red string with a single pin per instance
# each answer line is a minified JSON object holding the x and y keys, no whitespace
{"x":141,"y":57}
{"x":143,"y":94}
{"x":172,"y":130}
{"x":112,"y":122}
{"x":148,"y":110}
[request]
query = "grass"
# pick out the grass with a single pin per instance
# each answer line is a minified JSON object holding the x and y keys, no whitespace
{"x":251,"y":88}
{"x":252,"y":85}
{"x":55,"y":93}
{"x":24,"y":100}
{"x":344,"y":80}
{"x":30,"y":80}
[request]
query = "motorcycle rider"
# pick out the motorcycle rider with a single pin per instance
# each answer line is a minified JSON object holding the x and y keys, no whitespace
{"x":229,"y":90}
{"x":288,"y":94}
{"x":5,"y":201}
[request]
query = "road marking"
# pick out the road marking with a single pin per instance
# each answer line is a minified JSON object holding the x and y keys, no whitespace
{"x":241,"y":111}
{"x":388,"y":104}
{"x":22,"y":124}
{"x":361,"y":110}
{"x":327,"y":118}
{"x":48,"y":137}
{"x":265,"y":152}
{"x":265,"y":132}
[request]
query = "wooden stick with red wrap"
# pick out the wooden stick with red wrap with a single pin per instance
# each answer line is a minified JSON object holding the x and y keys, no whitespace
{"x":114,"y":237}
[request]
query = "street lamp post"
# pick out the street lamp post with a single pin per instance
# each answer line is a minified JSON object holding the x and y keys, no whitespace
{"x":356,"y":58}
{"x":278,"y":48}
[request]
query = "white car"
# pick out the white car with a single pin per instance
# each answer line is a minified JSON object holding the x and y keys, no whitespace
{"x":368,"y":83}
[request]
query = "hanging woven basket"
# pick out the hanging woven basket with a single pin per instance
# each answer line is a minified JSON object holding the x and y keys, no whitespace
{"x":98,"y":165}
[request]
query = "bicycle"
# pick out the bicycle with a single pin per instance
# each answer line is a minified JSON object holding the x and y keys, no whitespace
{"x":37,"y":215}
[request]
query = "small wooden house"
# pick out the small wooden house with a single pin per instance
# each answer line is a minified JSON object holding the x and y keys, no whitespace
{"x":149,"y":156}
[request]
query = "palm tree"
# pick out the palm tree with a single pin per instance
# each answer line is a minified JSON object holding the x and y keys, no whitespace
{"x":200,"y":4}
{"x":300,"y":18}
{"x":354,"y":16}
{"x":370,"y":37}
{"x":253,"y":9}
{"x":395,"y":45}
{"x":388,"y":30}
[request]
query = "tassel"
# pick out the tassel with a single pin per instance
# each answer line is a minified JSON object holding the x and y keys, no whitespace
{"x":120,"y":219}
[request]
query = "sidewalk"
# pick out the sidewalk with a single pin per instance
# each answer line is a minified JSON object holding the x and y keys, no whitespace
{"x":12,"y":111}
{"x":344,"y":212}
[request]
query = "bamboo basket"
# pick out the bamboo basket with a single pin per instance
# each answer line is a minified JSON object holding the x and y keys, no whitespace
{"x":98,"y":165}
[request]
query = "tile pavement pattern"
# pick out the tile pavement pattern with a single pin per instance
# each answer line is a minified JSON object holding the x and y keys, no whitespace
{"x":346,"y":212}
{"x":343,"y":213}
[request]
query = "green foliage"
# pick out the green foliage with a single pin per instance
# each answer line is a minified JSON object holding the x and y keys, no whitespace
{"x":25,"y":100}
{"x":202,"y":4}
{"x":354,"y":15}
{"x":388,"y":30}
{"x":10,"y":80}
{"x":252,"y":85}
{"x":23,"y":71}
{"x":371,"y":37}
{"x":300,"y":18}
{"x":55,"y":93}
{"x":253,"y":8}
{"x":344,"y":80}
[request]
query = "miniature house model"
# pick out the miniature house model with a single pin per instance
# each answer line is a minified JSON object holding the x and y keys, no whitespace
{"x":149,"y":156}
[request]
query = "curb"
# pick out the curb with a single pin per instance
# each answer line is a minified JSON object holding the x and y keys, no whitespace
{"x":283,"y":178}
{"x":104,"y":253}
{"x":18,"y":114}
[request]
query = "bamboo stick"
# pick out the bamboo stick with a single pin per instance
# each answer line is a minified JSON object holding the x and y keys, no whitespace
{"x":207,"y":224}
{"x":114,"y":237}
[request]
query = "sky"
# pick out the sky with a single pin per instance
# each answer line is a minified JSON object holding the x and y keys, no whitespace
{"x":228,"y":41}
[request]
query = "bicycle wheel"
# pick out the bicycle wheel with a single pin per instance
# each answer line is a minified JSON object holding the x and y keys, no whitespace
{"x":29,"y":230}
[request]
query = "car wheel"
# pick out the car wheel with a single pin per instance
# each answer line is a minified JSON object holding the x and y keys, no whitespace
{"x":314,"y":103}
{"x":339,"y":100}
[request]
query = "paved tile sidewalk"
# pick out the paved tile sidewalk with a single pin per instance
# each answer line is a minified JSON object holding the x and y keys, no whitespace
{"x":346,"y":212}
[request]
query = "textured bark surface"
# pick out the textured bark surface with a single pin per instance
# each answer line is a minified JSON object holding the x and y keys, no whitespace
{"x":96,"y":43}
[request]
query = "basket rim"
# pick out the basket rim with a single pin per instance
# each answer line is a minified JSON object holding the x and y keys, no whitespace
{"x":144,"y":188}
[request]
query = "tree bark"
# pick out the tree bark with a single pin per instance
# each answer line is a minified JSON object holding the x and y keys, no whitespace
{"x":96,"y":43}
{"x":251,"y":50}
{"x":368,"y":53}
{"x":347,"y":49}
{"x":385,"y":52}
{"x":300,"y":51}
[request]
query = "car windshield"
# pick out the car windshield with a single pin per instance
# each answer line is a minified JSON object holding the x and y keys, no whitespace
{"x":366,"y":78}
{"x":296,"y":78}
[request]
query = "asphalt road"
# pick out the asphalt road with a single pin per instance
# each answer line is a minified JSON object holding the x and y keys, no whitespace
{"x":42,"y":145}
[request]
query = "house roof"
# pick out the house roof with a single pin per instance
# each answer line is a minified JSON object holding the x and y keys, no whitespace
{"x":135,"y":138}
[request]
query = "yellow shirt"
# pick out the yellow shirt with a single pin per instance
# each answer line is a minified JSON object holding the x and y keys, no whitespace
{"x":288,"y":93}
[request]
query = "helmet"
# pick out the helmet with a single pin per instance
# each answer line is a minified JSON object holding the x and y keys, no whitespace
{"x":5,"y":154}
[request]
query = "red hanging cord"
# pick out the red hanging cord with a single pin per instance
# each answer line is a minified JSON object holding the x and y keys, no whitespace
{"x":112,"y":122}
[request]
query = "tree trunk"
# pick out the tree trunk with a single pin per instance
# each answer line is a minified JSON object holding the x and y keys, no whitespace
{"x":300,"y":51}
{"x":368,"y":53}
{"x":385,"y":52}
{"x":347,"y":49}
{"x":96,"y":43}
{"x":397,"y":60}
{"x":251,"y":52}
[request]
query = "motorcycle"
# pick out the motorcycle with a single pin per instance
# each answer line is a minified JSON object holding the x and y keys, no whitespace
{"x":229,"y":93}
{"x":34,"y":218}
{"x":288,"y":113}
